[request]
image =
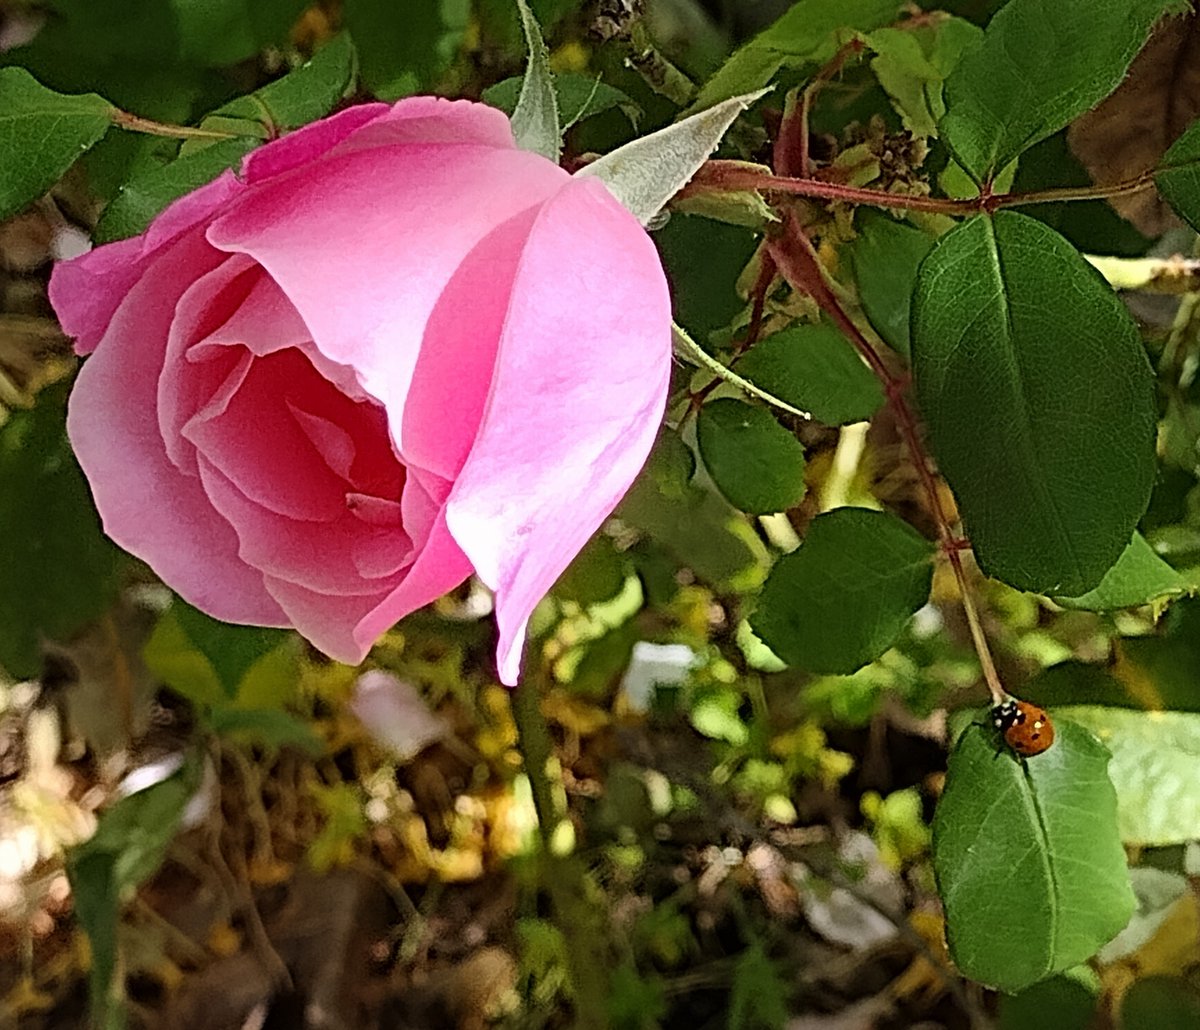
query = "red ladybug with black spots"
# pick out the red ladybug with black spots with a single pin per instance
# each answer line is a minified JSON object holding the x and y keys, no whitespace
{"x":1026,"y":728}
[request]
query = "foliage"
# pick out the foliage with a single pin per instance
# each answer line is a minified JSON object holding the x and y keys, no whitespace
{"x":914,"y":435}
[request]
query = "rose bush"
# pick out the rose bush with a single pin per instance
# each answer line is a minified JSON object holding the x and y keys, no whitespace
{"x":393,"y":350}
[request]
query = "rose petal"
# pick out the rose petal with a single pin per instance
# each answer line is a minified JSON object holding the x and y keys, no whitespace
{"x":384,"y":265}
{"x":309,"y":143}
{"x":335,"y":558}
{"x":87,"y":291}
{"x":148,"y":507}
{"x":578,"y":396}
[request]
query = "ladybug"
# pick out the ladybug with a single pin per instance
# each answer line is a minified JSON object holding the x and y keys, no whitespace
{"x":1027,"y":729}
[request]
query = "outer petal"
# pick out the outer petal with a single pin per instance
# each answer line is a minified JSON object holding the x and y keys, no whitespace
{"x":86,"y":291}
{"x":384,"y":263}
{"x":147,"y":505}
{"x":578,"y":395}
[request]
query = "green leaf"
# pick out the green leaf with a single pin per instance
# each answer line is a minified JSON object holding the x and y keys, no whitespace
{"x":912,"y":63}
{"x":758,"y":997}
{"x":1155,"y":767}
{"x":304,"y":95}
{"x":756,"y":463}
{"x":703,"y":259}
{"x":1157,"y":892}
{"x":1178,"y":176}
{"x":42,"y":133}
{"x":128,"y":846}
{"x":1160,"y":1003}
{"x":1139,"y":577}
{"x":1027,"y":856}
{"x":885,"y":258}
{"x":579,"y":97}
{"x":57,"y":569}
{"x":1039,"y":400}
{"x":535,"y":119}
{"x":810,"y":33}
{"x":814,"y":367}
{"x":1040,"y":65}
{"x":144,"y":196}
{"x":203,"y":659}
{"x":405,"y":52}
{"x":266,"y":727}
{"x":844,"y":596}
{"x":1060,"y":1003}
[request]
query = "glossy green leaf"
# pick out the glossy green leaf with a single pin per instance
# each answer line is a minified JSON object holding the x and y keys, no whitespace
{"x":304,"y":95}
{"x":703,"y":259}
{"x":1160,"y":1003}
{"x":756,"y":463}
{"x":815,"y":368}
{"x":809,"y":33}
{"x":579,"y":97}
{"x":885,"y":258}
{"x":1027,"y":856}
{"x":1039,"y":66}
{"x":1155,"y":768}
{"x":144,"y":196}
{"x":405,"y":54}
{"x":911,"y":65}
{"x":42,"y":133}
{"x":57,"y":569}
{"x":1139,"y":577}
{"x":126,"y":849}
{"x":1039,"y":400}
{"x":1178,"y":176}
{"x":844,"y":596}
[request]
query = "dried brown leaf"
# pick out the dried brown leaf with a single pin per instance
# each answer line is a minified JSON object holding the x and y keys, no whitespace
{"x":1127,"y":133}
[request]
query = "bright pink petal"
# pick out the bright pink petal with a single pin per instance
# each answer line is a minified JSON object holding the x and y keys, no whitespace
{"x":326,"y":621}
{"x":147,"y":505}
{"x":393,"y":225}
{"x":309,"y":143}
{"x":578,"y":396}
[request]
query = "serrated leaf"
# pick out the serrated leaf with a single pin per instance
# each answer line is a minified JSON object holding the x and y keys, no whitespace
{"x":809,"y":33}
{"x":1039,"y":399}
{"x":756,"y":463}
{"x":535,"y":119}
{"x":303,"y":95}
{"x":758,"y":997}
{"x":42,"y":133}
{"x":647,"y":172}
{"x":1027,"y":856}
{"x":265,"y":727}
{"x":1155,"y":767}
{"x":57,"y":569}
{"x":1178,"y":176}
{"x":579,"y":97}
{"x":885,"y":257}
{"x":1039,"y":66}
{"x":814,"y":367}
{"x":844,"y":596}
{"x":144,"y":196}
{"x":1139,"y":577}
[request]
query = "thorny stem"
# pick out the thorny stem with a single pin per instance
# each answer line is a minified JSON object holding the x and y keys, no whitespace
{"x":735,"y":176}
{"x":136,"y":123}
{"x":796,"y":259}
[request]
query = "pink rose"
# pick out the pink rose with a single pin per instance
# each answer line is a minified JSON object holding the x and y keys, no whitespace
{"x":393,"y":351}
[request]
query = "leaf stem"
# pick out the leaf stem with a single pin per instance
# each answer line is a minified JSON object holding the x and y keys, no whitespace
{"x":736,"y":176}
{"x":797,"y":261}
{"x":136,"y":123}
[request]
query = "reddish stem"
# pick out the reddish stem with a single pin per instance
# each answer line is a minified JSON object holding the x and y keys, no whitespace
{"x":798,"y":262}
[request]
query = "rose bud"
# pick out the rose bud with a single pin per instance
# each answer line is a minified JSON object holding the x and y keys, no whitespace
{"x":393,"y":351}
